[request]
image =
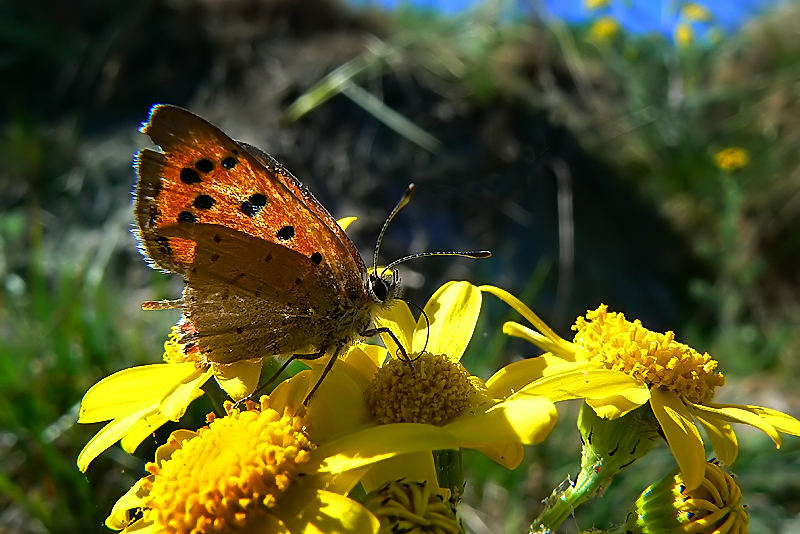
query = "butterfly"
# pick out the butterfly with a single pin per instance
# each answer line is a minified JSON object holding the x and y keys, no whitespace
{"x":267,"y":270}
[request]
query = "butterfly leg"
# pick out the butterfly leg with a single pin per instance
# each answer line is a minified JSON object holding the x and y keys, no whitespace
{"x":385,"y":330}
{"x":275,"y":375}
{"x":325,"y":371}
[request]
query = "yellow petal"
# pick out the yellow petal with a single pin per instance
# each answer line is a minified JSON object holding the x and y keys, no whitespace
{"x":175,"y":441}
{"x":143,"y":428}
{"x":106,"y":437}
{"x":363,"y":361}
{"x":343,"y":483}
{"x":723,"y":438}
{"x":612,"y":407}
{"x":378,"y":443}
{"x":337,"y":407}
{"x":526,"y":312}
{"x":453,"y":312}
{"x":682,"y":435}
{"x":416,"y":466}
{"x":524,"y":419}
{"x":783,"y":422}
{"x":148,"y":424}
{"x":132,"y":390}
{"x":319,"y":511}
{"x":144,"y":527}
{"x":741,"y":414}
{"x":133,"y":499}
{"x":238,"y":379}
{"x":344,"y":222}
{"x":512,"y":328}
{"x":589,"y":383}
{"x":291,"y":392}
{"x":399,"y":319}
{"x":174,"y":404}
{"x":519,"y":374}
{"x":509,"y":455}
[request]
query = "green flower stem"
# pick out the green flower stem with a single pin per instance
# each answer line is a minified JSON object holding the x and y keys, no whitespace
{"x":608,"y":447}
{"x":450,"y":472}
{"x":564,"y":500}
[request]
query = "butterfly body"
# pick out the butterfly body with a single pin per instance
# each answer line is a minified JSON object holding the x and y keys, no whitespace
{"x":267,"y":270}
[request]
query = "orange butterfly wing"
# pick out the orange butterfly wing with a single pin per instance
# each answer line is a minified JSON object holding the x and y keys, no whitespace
{"x":266,"y":266}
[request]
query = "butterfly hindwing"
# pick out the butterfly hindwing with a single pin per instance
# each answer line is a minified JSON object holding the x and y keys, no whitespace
{"x":278,"y":300}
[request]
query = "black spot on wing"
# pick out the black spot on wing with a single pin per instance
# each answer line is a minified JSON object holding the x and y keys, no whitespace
{"x":203,"y":202}
{"x":204,"y":165}
{"x":187,"y":217}
{"x":253,"y":204}
{"x":190,"y":176}
{"x":285,"y":233}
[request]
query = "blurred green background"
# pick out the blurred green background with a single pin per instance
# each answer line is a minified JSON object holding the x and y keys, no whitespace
{"x":586,"y":158}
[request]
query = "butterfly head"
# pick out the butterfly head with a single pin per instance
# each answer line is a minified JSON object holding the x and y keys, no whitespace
{"x":383,"y":286}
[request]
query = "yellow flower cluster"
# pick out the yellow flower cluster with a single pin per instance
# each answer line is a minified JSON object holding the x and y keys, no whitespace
{"x":383,"y":417}
{"x":652,"y":358}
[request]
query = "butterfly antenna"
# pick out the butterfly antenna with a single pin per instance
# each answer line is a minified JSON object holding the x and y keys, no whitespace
{"x":466,"y":253}
{"x":400,"y":204}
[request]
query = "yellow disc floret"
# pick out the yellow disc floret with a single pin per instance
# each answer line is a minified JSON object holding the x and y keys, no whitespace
{"x":225,"y":472}
{"x":433,"y":389}
{"x":654,"y":358}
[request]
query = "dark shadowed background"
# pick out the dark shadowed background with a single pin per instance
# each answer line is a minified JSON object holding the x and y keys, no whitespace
{"x":583,"y":156}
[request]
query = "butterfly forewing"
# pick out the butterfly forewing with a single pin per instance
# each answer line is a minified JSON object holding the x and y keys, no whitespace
{"x":203,"y":176}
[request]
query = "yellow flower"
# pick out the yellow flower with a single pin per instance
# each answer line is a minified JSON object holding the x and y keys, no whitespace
{"x":732,"y":158}
{"x":617,"y":365}
{"x":594,"y":5}
{"x":141,"y":399}
{"x":684,"y":34}
{"x":669,"y":506}
{"x":604,"y":29}
{"x":433,"y":388}
{"x":695,"y":12}
{"x":256,"y":470}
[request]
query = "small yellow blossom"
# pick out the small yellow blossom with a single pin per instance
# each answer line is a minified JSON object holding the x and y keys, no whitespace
{"x":604,"y":29}
{"x":594,"y":5}
{"x":684,"y":34}
{"x":617,"y":365}
{"x":695,"y":12}
{"x":732,"y":158}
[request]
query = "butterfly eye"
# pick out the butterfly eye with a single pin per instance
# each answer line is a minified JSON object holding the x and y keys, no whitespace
{"x":378,"y":288}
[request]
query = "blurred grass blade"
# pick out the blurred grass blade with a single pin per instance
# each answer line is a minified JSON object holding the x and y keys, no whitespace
{"x":341,"y":81}
{"x":332,"y":84}
{"x":391,"y":118}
